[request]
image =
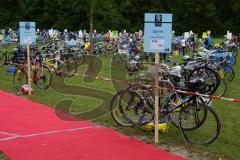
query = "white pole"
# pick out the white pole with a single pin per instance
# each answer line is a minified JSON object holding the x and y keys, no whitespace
{"x":156,"y":134}
{"x":29,"y":70}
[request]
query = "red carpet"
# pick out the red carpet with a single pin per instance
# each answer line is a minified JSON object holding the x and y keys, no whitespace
{"x":30,"y":131}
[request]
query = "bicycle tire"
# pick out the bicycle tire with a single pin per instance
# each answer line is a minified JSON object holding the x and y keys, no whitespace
{"x":229,"y":73}
{"x":67,"y":68}
{"x":214,"y":134}
{"x":222,"y":88}
{"x":2,"y":59}
{"x":199,"y":71}
{"x":121,"y":121}
{"x":178,"y":111}
{"x":43,"y":78}
{"x":138,"y":106}
{"x":19,"y":79}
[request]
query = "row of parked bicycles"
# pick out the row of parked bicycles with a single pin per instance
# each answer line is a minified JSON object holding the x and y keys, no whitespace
{"x":43,"y":64}
{"x":56,"y":57}
{"x":204,"y":73}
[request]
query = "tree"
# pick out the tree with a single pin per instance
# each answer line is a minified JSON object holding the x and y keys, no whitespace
{"x":218,"y":16}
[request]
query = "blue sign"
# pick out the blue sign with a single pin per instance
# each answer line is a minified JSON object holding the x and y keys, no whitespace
{"x":27,"y":33}
{"x":158,"y":32}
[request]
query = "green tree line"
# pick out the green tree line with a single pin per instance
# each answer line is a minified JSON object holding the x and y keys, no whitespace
{"x":197,"y":15}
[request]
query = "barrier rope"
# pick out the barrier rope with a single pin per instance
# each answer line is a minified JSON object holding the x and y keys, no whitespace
{"x":159,"y":87}
{"x":203,"y":95}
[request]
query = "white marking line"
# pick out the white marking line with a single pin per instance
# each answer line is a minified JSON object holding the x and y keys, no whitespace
{"x":7,"y":133}
{"x":58,"y":131}
{"x":7,"y":139}
{"x":49,"y":132}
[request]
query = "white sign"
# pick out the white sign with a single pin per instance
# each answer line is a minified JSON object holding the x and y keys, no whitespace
{"x":157,"y":32}
{"x":27,"y":40}
{"x":27,"y":33}
{"x":157,"y":44}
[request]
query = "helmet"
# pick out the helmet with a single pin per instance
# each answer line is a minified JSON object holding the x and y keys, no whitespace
{"x":25,"y":89}
{"x":186,"y":58}
{"x":137,"y":57}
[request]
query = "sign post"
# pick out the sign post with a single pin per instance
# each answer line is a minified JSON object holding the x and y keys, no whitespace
{"x":29,"y":70}
{"x":156,"y":105}
{"x":157,"y":39}
{"x":27,"y":37}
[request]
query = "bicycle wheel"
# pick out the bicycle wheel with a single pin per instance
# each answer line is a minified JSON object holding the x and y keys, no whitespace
{"x":132,"y":106}
{"x":229,"y":73}
{"x":222,"y":88}
{"x":67,"y":68}
{"x":2,"y":59}
{"x":209,"y":76}
{"x":19,"y":79}
{"x":119,"y":58}
{"x":9,"y":57}
{"x":235,"y":54}
{"x":115,"y":111}
{"x":234,"y":59}
{"x":82,"y":59}
{"x":44,"y":78}
{"x":195,"y":111}
{"x":207,"y":132}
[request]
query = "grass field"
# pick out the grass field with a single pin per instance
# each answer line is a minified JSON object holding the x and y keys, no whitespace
{"x":90,"y":99}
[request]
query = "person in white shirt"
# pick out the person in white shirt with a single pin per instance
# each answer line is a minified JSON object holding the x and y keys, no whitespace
{"x":183,"y":45}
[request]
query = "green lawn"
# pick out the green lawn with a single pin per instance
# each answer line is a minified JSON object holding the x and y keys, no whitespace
{"x":90,"y":99}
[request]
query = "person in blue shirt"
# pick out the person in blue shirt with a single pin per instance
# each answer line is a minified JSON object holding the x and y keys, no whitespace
{"x":134,"y":38}
{"x":132,"y":48}
{"x":18,"y":34}
{"x":8,"y":39}
{"x":208,"y":42}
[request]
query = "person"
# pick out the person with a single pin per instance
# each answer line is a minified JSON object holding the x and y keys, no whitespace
{"x":234,"y":39}
{"x":210,"y":42}
{"x":133,"y":48}
{"x":107,"y":37}
{"x":183,"y":45}
{"x":18,"y":34}
{"x":163,"y":56}
{"x":233,"y":43}
{"x":7,"y":39}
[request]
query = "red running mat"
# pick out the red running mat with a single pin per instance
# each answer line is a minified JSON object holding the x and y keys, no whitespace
{"x":31,"y":131}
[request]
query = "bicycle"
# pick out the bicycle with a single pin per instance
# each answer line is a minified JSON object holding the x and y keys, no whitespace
{"x":5,"y":57}
{"x":138,"y":109}
{"x":41,"y":75}
{"x":64,"y":65}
